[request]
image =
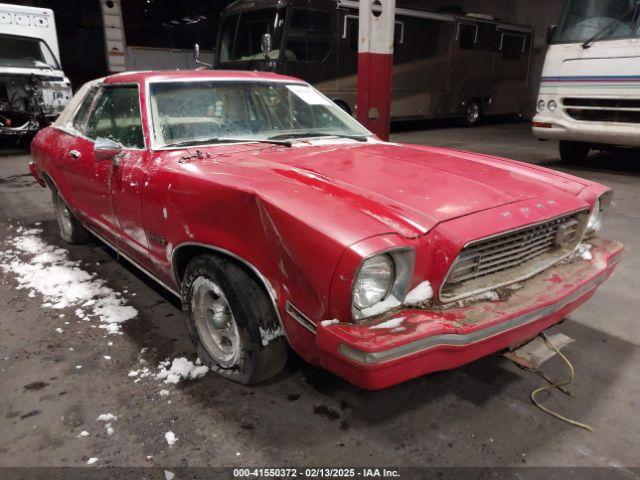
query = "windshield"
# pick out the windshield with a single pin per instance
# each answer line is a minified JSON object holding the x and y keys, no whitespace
{"x":26,"y":52}
{"x":242,"y":42}
{"x":211,"y":111}
{"x":582,"y":20}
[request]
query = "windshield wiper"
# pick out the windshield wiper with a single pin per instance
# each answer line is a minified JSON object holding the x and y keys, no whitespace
{"x":358,"y":138}
{"x":606,"y":28}
{"x":203,"y":141}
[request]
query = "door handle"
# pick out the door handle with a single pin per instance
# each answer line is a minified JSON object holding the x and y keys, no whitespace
{"x":75,"y":154}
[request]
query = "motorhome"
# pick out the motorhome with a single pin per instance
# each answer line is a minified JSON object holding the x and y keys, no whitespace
{"x":589,"y":91}
{"x":445,"y":64}
{"x":33,"y":87}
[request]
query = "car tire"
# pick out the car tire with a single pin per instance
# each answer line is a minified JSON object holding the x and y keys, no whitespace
{"x":472,"y":113}
{"x":71,"y":231}
{"x":232,"y":321}
{"x":343,"y":105}
{"x":573,"y":152}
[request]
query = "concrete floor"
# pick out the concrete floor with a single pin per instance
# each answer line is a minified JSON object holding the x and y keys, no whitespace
{"x":479,"y":415}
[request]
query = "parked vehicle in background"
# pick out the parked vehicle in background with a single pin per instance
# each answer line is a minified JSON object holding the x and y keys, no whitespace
{"x":279,"y":220}
{"x":445,"y":65}
{"x":33,"y":87}
{"x":589,"y":92}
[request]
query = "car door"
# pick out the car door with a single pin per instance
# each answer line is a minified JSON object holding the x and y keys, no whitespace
{"x":86,"y":182}
{"x":72,"y":168}
{"x":90,"y":180}
{"x":117,"y":117}
{"x":128,"y":171}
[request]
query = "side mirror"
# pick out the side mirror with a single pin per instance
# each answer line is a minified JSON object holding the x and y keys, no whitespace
{"x":196,"y":56}
{"x":106,"y":149}
{"x":265,"y":44}
{"x":551,"y":32}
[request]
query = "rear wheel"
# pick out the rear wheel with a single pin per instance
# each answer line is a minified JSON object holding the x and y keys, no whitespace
{"x":573,"y":152}
{"x":472,"y":113}
{"x":70,"y":228}
{"x":232,"y":321}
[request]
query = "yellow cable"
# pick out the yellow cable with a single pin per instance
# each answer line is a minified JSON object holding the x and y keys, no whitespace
{"x":558,"y":385}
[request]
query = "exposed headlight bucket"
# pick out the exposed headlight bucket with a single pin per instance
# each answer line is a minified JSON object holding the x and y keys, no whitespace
{"x":596,"y":217}
{"x":541,"y":105}
{"x":374,"y":281}
{"x":552,"y":105}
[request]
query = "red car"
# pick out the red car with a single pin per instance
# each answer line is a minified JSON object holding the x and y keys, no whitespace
{"x":281,"y":222}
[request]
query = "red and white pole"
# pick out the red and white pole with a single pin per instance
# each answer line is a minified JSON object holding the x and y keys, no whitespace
{"x":375,"y":64}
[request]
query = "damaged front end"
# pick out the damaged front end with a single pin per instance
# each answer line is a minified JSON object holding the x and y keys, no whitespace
{"x":30,"y":102}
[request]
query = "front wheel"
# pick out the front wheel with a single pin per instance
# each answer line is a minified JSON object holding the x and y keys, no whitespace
{"x":70,"y":228}
{"x":232,"y":321}
{"x":472,"y":113}
{"x":573,"y":152}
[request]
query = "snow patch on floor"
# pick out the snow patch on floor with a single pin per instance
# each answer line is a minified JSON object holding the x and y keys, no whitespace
{"x":171,"y":438}
{"x":181,"y":369}
{"x":107,"y":417}
{"x":420,"y":294}
{"x":47,"y":270}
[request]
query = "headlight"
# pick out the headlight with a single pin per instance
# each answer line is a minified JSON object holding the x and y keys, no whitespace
{"x":552,"y":105}
{"x":596,"y":217}
{"x":374,"y":281}
{"x":380,"y":281}
{"x":541,"y":105}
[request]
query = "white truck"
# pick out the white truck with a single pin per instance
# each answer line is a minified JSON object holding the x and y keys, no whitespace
{"x":33,"y":87}
{"x":590,"y":88}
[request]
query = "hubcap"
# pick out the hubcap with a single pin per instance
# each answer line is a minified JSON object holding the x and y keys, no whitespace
{"x":215,"y":322}
{"x":473,"y":112}
{"x":64,"y":218}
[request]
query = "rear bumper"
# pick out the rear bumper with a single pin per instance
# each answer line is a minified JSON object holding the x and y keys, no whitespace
{"x":431,"y":340}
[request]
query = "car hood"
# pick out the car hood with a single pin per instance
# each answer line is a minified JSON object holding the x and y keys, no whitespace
{"x":411,"y":186}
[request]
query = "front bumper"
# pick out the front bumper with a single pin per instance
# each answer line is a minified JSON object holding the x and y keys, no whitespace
{"x":30,"y":127}
{"x":431,"y":340}
{"x":562,"y":128}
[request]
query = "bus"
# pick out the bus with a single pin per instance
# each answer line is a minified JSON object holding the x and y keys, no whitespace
{"x":589,"y":96}
{"x":445,"y":64}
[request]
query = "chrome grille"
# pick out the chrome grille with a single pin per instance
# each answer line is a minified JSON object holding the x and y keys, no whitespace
{"x":510,"y":257}
{"x":603,"y":109}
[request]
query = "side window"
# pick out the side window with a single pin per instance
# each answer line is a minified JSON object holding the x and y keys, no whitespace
{"x":227,"y":38}
{"x":352,"y":32}
{"x":309,"y":35}
{"x":116,"y":116}
{"x":513,"y":46}
{"x":488,"y":37}
{"x":468,"y":36}
{"x":82,"y":114}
